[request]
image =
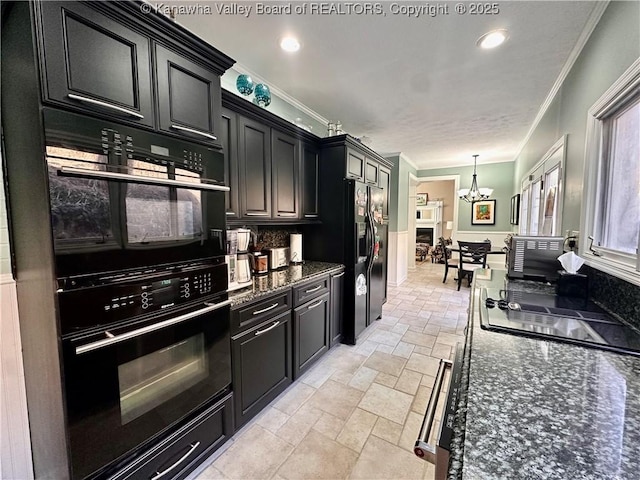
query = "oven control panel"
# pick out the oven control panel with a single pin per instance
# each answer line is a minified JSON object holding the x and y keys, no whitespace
{"x":104,"y":304}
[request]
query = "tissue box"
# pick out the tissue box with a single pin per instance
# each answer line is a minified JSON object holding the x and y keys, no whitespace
{"x":572,"y":285}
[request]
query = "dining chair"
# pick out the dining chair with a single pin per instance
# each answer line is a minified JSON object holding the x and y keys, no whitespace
{"x":448,"y":261}
{"x":473,"y":255}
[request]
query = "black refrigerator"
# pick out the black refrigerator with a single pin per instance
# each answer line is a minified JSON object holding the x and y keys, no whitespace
{"x":364,"y":240}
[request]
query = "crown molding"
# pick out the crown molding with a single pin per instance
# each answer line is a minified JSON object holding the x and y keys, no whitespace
{"x":588,"y":29}
{"x":284,"y":96}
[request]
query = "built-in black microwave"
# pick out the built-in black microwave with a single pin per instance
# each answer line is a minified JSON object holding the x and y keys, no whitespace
{"x":124,"y":198}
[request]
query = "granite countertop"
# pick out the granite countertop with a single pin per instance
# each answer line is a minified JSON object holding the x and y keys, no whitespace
{"x":536,"y":409}
{"x":276,"y":280}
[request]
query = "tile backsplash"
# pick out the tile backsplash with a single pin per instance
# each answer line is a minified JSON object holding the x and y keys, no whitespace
{"x":272,"y":236}
{"x":618,"y":296}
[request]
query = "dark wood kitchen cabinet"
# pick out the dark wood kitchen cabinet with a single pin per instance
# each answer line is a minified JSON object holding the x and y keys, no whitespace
{"x":355,"y":165}
{"x":254,"y":168}
{"x":95,"y":63}
{"x":262,"y":362}
{"x":384,"y":182}
{"x":285,"y":171}
{"x":371,"y":171}
{"x":310,"y":325}
{"x":310,"y":169}
{"x":229,"y":141}
{"x":261,"y":352}
{"x":188,"y":97}
{"x":336,"y":308}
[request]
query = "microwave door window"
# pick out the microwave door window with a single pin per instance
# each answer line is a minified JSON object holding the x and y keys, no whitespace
{"x":80,"y":207}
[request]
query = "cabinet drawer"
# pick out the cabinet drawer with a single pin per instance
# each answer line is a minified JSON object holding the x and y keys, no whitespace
{"x":308,"y":291}
{"x":251,"y":314}
{"x":184,"y":450}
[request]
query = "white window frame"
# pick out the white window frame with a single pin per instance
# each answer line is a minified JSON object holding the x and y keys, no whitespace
{"x":618,"y":264}
{"x":554,"y":158}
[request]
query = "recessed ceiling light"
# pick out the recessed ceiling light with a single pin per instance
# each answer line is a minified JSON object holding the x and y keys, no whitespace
{"x":289,"y":44}
{"x":492,"y":39}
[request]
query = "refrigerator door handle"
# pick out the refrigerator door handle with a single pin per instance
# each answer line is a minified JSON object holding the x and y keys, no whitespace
{"x":371,"y":242}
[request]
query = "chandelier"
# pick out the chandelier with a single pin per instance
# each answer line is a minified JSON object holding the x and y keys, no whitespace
{"x":474,"y":193}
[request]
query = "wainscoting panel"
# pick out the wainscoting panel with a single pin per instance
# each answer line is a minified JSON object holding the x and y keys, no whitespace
{"x":398,"y":257}
{"x":15,"y":454}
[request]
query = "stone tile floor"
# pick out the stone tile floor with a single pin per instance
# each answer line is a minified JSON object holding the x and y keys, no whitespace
{"x":357,"y":413}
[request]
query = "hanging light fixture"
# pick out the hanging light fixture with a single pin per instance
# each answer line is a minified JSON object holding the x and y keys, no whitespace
{"x":474,"y":193}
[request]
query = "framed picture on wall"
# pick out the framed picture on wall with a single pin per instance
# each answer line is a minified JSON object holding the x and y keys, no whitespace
{"x":483,"y":212}
{"x":422,"y":198}
{"x":514,"y":218}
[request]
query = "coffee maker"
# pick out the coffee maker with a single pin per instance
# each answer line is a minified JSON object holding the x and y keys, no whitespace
{"x":237,"y":258}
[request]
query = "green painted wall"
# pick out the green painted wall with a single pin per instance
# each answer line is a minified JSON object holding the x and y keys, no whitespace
{"x":399,"y":199}
{"x":498,"y":176}
{"x":613,"y":46}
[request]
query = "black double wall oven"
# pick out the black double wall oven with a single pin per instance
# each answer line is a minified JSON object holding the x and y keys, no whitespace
{"x":138,"y":223}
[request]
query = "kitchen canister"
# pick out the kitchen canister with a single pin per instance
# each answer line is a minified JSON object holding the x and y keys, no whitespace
{"x":295,"y":247}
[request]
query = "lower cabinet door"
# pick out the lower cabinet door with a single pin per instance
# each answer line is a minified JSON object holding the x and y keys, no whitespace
{"x":180,"y":453}
{"x":310,"y":333}
{"x":261,"y":361}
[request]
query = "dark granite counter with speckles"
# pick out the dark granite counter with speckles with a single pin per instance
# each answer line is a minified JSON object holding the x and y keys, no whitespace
{"x":276,"y":280}
{"x":536,"y":409}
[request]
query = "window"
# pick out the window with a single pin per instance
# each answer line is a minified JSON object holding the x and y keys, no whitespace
{"x":541,"y":194}
{"x":611,"y":213}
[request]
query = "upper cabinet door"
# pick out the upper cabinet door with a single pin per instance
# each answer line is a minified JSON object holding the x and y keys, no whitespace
{"x":96,"y":64}
{"x":309,"y":182}
{"x":285,"y":168}
{"x":188,"y":97}
{"x":355,"y":165}
{"x":229,"y":139}
{"x":371,"y":172}
{"x":254,"y":168}
{"x":384,"y":182}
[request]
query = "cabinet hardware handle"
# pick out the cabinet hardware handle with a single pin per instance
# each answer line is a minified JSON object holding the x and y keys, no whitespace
{"x":252,"y":214}
{"x":194,"y":131}
{"x":100,"y":103}
{"x":260,"y":332}
{"x":110,"y":340}
{"x":422,"y":448}
{"x":339,"y":275}
{"x":314,"y":289}
{"x":317,"y":304}
{"x":127,"y":177}
{"x":266,"y":309}
{"x":192,"y":449}
{"x":311,"y":215}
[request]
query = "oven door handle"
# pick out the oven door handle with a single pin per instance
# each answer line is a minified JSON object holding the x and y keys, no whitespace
{"x":112,"y":339}
{"x":422,"y":448}
{"x":127,"y":177}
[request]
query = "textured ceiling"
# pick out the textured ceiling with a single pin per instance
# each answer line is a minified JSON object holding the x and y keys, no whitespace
{"x":419,"y":86}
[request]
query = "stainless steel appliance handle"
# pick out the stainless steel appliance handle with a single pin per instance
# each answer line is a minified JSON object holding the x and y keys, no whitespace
{"x":195,"y":132}
{"x":339,"y":275}
{"x":127,"y":177}
{"x":192,"y":449}
{"x":111,"y":339}
{"x":314,"y":289}
{"x":110,"y":106}
{"x":422,"y":448}
{"x":318,"y":303}
{"x":260,"y":332}
{"x":266,"y":309}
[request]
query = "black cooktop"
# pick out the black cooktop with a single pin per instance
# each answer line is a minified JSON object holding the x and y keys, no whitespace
{"x":550,"y":317}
